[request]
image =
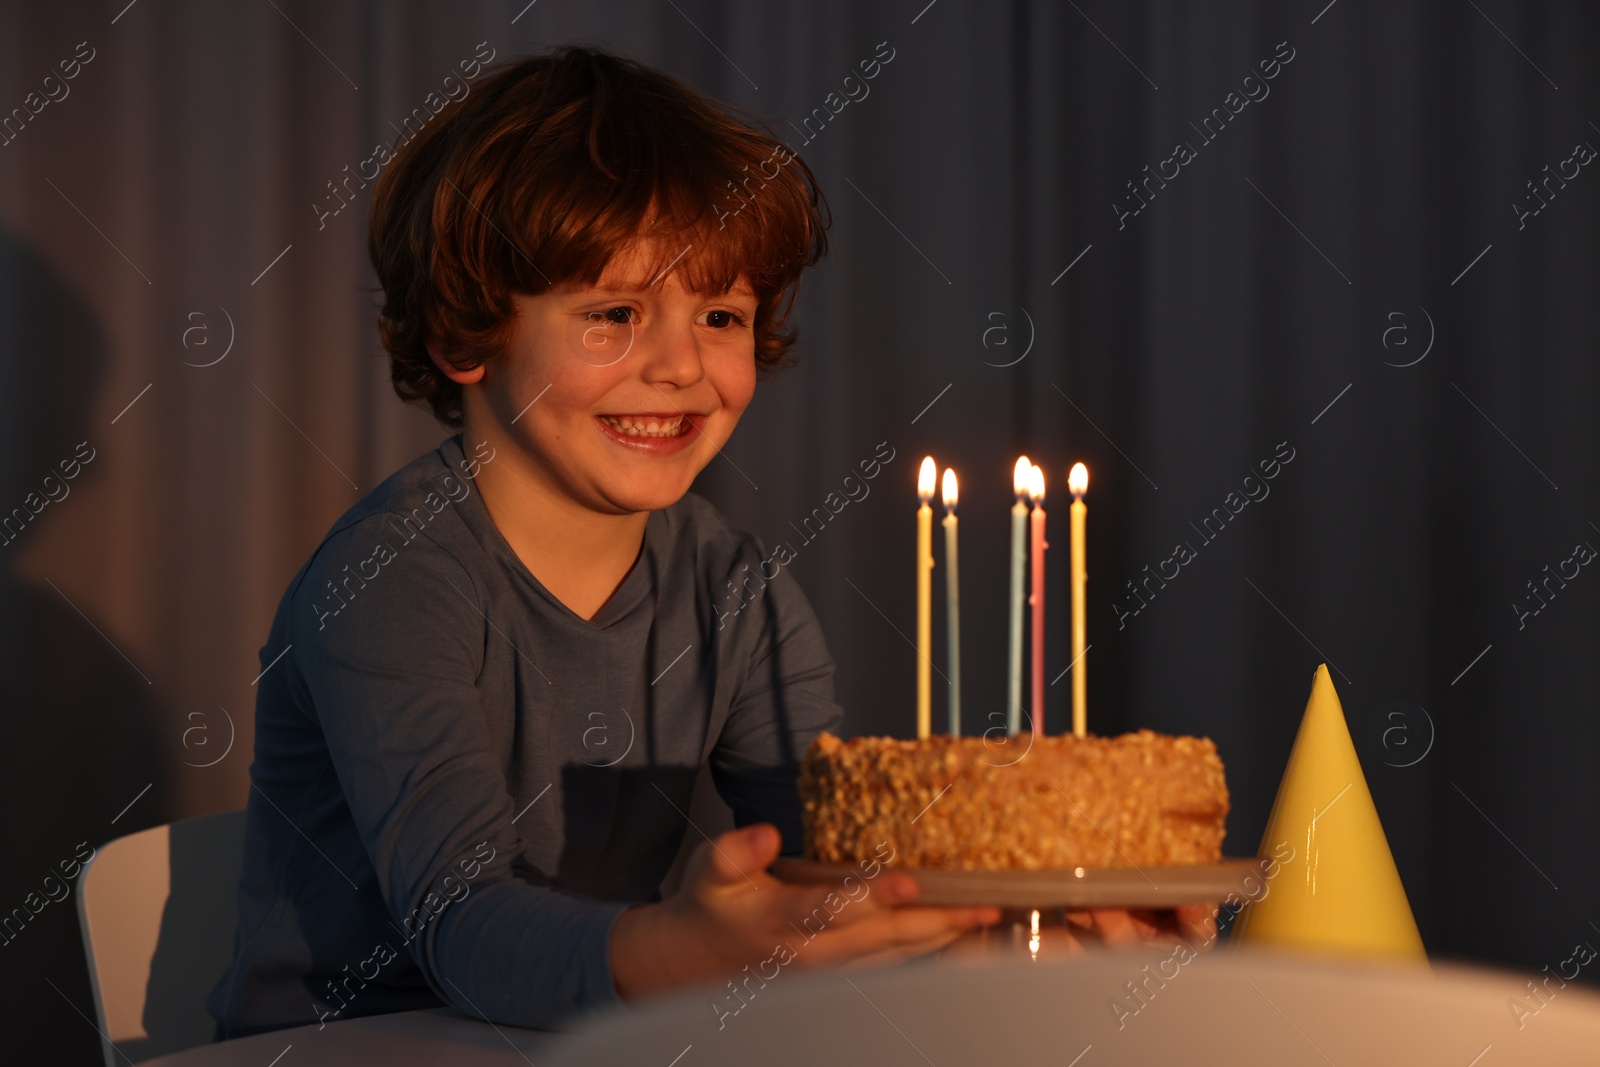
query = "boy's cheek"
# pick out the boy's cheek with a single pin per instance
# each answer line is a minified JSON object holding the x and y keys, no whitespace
{"x":719,"y":428}
{"x":735,"y":379}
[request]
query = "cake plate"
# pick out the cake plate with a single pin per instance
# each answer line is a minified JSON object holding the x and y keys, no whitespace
{"x":1078,"y":887}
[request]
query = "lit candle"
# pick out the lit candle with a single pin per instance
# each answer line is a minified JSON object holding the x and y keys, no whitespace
{"x":925,"y":479}
{"x":1078,"y":482}
{"x":1019,"y":547}
{"x":1036,"y":494}
{"x":952,"y":600}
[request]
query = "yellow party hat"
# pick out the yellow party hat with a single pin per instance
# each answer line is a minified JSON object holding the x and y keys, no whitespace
{"x":1332,"y":886}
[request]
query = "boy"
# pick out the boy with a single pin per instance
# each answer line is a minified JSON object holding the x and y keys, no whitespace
{"x":585,"y":265}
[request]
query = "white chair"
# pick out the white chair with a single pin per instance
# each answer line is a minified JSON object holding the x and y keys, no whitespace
{"x":158,"y":911}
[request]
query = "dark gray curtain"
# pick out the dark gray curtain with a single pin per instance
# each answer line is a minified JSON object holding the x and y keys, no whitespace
{"x":1349,"y":263}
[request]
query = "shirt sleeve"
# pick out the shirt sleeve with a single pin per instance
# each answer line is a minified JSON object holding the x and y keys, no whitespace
{"x":783,"y":702}
{"x":392,"y":677}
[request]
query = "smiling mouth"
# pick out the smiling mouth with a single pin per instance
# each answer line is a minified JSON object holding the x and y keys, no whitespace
{"x":649,"y":425}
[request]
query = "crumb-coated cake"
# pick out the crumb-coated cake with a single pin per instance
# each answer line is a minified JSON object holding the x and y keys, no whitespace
{"x":1059,"y":802}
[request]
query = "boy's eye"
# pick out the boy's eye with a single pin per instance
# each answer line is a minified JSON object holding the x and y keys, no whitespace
{"x":721,"y":319}
{"x":622,"y":316}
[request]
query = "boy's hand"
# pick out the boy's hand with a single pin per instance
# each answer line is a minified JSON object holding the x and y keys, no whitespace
{"x":731,"y":913}
{"x":1143,"y":927}
{"x":1102,"y":928}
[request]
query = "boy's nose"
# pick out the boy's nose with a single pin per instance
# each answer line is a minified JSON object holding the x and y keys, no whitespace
{"x":672,"y":357}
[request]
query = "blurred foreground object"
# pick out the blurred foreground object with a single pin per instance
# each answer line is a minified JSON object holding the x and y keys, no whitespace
{"x":1124,"y":1008}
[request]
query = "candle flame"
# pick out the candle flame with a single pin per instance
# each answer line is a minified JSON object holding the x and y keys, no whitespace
{"x":1020,"y":475}
{"x":949,"y":489}
{"x":1036,"y":485}
{"x":1078,"y":479}
{"x":925,"y":479}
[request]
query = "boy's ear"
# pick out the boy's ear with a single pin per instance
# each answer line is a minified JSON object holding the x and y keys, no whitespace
{"x":459,"y":375}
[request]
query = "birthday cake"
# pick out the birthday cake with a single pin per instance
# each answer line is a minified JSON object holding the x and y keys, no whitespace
{"x":1033,"y":803}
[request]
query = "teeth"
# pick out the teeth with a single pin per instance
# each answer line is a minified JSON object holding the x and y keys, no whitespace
{"x":645,"y":427}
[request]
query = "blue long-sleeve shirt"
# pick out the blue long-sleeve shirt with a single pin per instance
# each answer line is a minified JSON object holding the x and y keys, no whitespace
{"x":459,"y":783}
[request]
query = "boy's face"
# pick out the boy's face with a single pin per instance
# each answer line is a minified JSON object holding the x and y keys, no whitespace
{"x":620,"y":393}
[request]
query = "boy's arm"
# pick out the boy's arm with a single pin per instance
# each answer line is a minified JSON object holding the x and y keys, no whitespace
{"x":392,"y":678}
{"x":784,"y":701}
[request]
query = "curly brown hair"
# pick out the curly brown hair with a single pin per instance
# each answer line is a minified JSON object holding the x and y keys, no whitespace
{"x":550,"y":168}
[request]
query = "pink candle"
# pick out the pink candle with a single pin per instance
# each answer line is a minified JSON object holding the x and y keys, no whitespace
{"x":1036,"y":599}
